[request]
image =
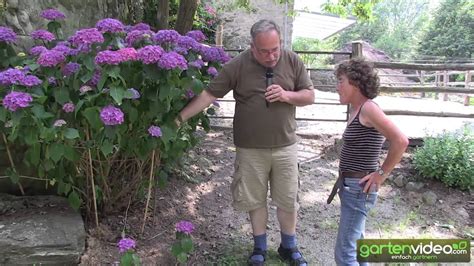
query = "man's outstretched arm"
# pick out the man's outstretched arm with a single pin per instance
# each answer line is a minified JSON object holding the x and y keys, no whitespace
{"x":196,"y":105}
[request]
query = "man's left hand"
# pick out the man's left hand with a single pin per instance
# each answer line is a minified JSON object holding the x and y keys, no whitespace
{"x":275,"y":93}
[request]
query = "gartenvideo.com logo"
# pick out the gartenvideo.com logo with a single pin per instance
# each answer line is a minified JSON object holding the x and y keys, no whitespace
{"x":414,"y":250}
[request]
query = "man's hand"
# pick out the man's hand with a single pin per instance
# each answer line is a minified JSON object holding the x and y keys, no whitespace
{"x":276,"y":93}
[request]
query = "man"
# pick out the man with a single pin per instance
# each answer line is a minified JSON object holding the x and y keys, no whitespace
{"x":264,"y":133}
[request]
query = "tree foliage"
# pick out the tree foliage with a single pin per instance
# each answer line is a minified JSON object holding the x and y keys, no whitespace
{"x":451,"y":33}
{"x":362,"y":9}
{"x":395,"y":27}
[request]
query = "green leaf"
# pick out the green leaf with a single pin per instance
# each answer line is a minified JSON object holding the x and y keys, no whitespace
{"x":56,"y":151}
{"x":164,"y":92}
{"x":33,"y":154}
{"x":126,"y":259}
{"x":61,"y":95}
{"x":136,"y":260}
{"x":113,"y":71}
{"x":71,"y":154}
{"x":187,"y":245}
{"x":106,"y":147}
{"x":30,"y":135}
{"x":117,"y":94}
{"x":182,"y":257}
{"x":176,"y":249}
{"x":132,"y":114}
{"x":90,"y":65}
{"x":39,"y":112}
{"x":74,"y":200}
{"x":71,"y":133}
{"x":3,"y":114}
{"x":13,"y":175}
{"x":92,"y":116}
{"x":78,"y":107}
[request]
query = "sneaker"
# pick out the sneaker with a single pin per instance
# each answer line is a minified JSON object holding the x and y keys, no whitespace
{"x":286,"y":255}
{"x":257,"y":251}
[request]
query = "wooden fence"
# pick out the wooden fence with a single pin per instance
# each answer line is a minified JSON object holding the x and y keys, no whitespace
{"x":432,"y":78}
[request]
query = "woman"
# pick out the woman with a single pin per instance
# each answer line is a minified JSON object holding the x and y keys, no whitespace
{"x":360,"y":175}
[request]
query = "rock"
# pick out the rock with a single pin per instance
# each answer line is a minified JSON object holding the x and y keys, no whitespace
{"x":462,"y":213}
{"x":399,"y":181}
{"x":414,"y":186}
{"x":429,"y":197}
{"x":41,"y":235}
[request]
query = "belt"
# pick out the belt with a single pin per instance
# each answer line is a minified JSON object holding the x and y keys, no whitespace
{"x":342,"y":175}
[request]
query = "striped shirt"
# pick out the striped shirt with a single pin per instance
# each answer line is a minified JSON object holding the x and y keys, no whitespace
{"x":361,"y":148}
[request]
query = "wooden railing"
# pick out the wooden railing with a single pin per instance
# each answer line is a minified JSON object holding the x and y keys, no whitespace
{"x":438,"y":72}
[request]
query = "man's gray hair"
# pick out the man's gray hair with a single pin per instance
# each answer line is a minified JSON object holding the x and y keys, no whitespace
{"x":263,"y":25}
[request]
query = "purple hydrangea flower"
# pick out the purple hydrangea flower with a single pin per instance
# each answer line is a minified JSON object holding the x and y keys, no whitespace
{"x":52,"y":14}
{"x":197,"y":63}
{"x":185,"y":227}
{"x":52,"y":81}
{"x":141,"y":26}
{"x":43,"y":35}
{"x":50,"y":58}
{"x":150,"y":54}
{"x":11,"y":76}
{"x":86,"y":37}
{"x":62,"y":48}
{"x":214,"y":54}
{"x":166,"y":36}
{"x":108,"y":57}
{"x":135,"y":94}
{"x":126,"y":244}
{"x":37,"y":50}
{"x":95,"y":78}
{"x":128,"y":54}
{"x":7,"y":35}
{"x":111,"y":115}
{"x":155,"y":131}
{"x":212,"y":71}
{"x":137,"y":35}
{"x":70,"y":69}
{"x":31,"y":81}
{"x":69,"y":107}
{"x":180,"y":50}
{"x":16,"y":99}
{"x":110,"y":25}
{"x":187,"y":42}
{"x":196,"y":35}
{"x":172,"y":60}
{"x":85,"y":89}
{"x":59,"y":123}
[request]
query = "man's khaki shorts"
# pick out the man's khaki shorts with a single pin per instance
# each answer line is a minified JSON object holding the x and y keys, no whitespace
{"x":256,"y":168}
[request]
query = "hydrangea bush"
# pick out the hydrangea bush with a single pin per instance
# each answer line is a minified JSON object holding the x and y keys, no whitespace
{"x":90,"y":110}
{"x":183,"y":246}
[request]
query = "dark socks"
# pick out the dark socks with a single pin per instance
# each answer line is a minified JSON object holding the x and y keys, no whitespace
{"x":289,"y":241}
{"x":260,"y":242}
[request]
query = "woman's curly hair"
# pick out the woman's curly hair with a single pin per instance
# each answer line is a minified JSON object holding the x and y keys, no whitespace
{"x":360,"y":74}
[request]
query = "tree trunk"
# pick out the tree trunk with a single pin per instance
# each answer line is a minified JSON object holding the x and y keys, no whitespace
{"x":187,"y":9}
{"x":162,"y":14}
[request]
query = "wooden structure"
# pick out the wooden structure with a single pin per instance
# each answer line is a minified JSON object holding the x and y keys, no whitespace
{"x":432,"y":78}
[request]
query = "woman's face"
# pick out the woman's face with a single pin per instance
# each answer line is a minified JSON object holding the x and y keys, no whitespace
{"x":345,"y":89}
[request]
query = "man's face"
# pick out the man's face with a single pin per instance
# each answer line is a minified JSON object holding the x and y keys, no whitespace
{"x":266,"y":48}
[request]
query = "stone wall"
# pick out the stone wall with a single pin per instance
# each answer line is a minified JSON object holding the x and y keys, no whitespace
{"x":23,"y":15}
{"x":237,"y":22}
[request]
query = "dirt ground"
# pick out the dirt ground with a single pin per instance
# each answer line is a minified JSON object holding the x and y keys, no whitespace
{"x":223,"y":236}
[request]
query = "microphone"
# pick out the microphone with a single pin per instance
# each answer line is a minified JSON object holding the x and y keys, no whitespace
{"x":269,"y":81}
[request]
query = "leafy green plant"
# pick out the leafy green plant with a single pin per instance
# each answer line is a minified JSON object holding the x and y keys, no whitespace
{"x":448,"y":158}
{"x":127,"y":250}
{"x":183,"y":246}
{"x":98,"y":111}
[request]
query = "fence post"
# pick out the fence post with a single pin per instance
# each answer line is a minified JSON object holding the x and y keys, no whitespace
{"x":445,"y":82}
{"x":356,"y":49}
{"x":467,"y":79}
{"x":437,"y":81}
{"x":219,"y":35}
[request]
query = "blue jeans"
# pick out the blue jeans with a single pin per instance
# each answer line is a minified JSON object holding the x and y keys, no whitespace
{"x":355,"y":204}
